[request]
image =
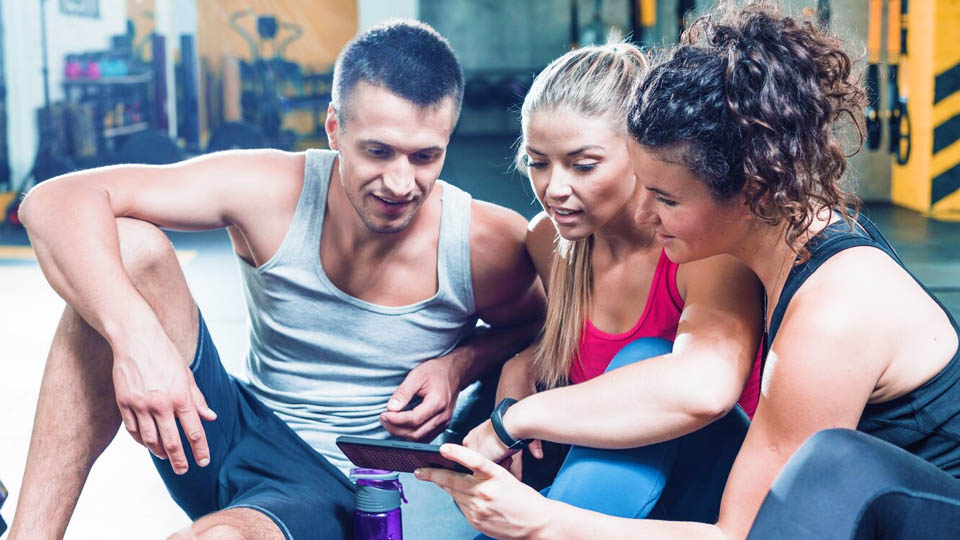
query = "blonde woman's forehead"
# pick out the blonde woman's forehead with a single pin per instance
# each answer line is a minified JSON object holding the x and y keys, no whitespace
{"x":564,"y":132}
{"x":571,"y":124}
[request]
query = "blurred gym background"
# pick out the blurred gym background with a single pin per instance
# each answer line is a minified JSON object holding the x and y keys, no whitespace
{"x":85,"y":83}
{"x":94,"y":82}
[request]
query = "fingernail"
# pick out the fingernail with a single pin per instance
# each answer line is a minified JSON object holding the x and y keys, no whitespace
{"x":393,"y":404}
{"x":418,"y":473}
{"x":203,"y":462}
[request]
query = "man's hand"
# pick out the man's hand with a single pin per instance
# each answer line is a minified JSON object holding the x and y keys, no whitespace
{"x":516,"y":377}
{"x":438,"y":383}
{"x":155,"y":389}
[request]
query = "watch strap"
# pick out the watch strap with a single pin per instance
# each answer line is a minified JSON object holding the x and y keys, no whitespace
{"x":496,"y":418}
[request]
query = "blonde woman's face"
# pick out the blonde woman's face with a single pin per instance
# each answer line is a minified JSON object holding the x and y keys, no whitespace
{"x":580,"y":169}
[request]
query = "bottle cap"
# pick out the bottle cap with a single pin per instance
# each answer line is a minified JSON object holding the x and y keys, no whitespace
{"x":377,"y":491}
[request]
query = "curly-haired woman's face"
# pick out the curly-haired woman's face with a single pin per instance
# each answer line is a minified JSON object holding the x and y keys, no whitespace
{"x":580,"y":169}
{"x":688,"y":220}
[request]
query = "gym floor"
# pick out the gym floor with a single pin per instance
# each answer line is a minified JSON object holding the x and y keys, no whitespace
{"x":124,"y":497}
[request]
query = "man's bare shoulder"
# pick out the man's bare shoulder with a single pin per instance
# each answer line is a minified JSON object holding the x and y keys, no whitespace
{"x":541,"y":244}
{"x":495,"y":227}
{"x":499,"y":262}
{"x":266,"y":167}
{"x":260,"y":180}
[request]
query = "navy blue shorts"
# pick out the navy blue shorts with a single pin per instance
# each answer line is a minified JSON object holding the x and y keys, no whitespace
{"x":258,"y":462}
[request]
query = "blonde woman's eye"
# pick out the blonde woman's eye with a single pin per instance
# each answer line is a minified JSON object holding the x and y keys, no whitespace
{"x":534,"y":164}
{"x":585,"y":167}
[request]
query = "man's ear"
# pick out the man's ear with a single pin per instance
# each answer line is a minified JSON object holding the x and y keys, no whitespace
{"x":331,"y":125}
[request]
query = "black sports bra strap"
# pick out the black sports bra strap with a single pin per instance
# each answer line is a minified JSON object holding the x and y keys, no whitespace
{"x":833,"y":239}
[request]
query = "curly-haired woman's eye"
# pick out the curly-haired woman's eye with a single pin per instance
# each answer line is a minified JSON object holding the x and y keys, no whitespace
{"x":666,"y":202}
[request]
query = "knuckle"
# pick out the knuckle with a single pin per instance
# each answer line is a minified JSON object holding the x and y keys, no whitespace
{"x":482,"y":511}
{"x":137,"y":403}
{"x":195,"y":435}
{"x":198,"y":399}
{"x":171,"y":446}
{"x":157,"y":403}
{"x":484,"y":494}
{"x":178,"y":401}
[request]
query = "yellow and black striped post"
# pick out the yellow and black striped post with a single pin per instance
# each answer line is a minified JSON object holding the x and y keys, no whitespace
{"x":929,"y":82}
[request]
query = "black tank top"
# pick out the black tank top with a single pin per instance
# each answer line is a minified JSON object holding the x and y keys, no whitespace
{"x":926,"y":421}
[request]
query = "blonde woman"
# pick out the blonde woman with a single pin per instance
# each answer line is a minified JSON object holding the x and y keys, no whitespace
{"x":615,"y":298}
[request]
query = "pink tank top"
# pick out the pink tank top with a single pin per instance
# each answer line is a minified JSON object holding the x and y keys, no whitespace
{"x":660,"y":318}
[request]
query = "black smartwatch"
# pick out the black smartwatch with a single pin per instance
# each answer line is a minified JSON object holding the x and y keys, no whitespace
{"x":496,"y":418}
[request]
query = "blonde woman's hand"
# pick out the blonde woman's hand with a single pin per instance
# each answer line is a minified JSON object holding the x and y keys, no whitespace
{"x":483,"y":440}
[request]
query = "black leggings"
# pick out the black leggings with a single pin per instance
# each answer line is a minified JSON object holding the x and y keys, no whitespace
{"x":843,"y":484}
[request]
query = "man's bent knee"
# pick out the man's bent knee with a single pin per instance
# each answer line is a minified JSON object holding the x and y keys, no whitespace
{"x":216,"y":532}
{"x":144,"y":248}
{"x":183,"y":534}
{"x":232,"y":524}
{"x":223,"y":531}
{"x":151,"y":263}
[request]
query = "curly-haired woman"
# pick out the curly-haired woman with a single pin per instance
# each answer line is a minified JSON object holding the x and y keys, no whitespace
{"x":737,"y":132}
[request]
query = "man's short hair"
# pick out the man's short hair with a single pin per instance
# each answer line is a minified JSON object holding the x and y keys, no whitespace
{"x":406,"y":57}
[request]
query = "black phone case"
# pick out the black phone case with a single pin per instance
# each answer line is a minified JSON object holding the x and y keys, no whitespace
{"x":400,"y":456}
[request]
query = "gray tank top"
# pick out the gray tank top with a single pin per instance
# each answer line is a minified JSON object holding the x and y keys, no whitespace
{"x":326,"y":362}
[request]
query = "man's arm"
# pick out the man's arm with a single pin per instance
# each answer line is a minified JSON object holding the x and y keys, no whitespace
{"x":72,"y":225}
{"x":508,"y":297}
{"x":507,"y":293}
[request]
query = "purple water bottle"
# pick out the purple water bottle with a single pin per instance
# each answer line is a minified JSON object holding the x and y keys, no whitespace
{"x":377,"y":508}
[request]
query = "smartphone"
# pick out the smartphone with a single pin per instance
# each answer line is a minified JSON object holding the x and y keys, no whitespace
{"x":400,"y":456}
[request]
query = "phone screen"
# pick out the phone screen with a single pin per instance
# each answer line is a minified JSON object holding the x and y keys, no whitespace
{"x":400,"y":456}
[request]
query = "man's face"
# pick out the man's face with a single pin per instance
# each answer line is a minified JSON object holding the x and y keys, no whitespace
{"x":391,"y":153}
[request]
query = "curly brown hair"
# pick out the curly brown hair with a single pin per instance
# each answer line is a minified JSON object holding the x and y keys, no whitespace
{"x":753,"y":102}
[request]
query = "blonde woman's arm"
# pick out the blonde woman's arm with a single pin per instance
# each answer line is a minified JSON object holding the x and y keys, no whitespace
{"x":667,"y":396}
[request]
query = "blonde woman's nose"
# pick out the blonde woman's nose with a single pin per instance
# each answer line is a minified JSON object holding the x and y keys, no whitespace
{"x":559,"y":187}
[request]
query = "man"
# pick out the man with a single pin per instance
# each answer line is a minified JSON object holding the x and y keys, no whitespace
{"x":362,"y":276}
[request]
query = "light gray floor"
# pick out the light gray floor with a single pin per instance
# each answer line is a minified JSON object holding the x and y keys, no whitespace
{"x":124,"y":497}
